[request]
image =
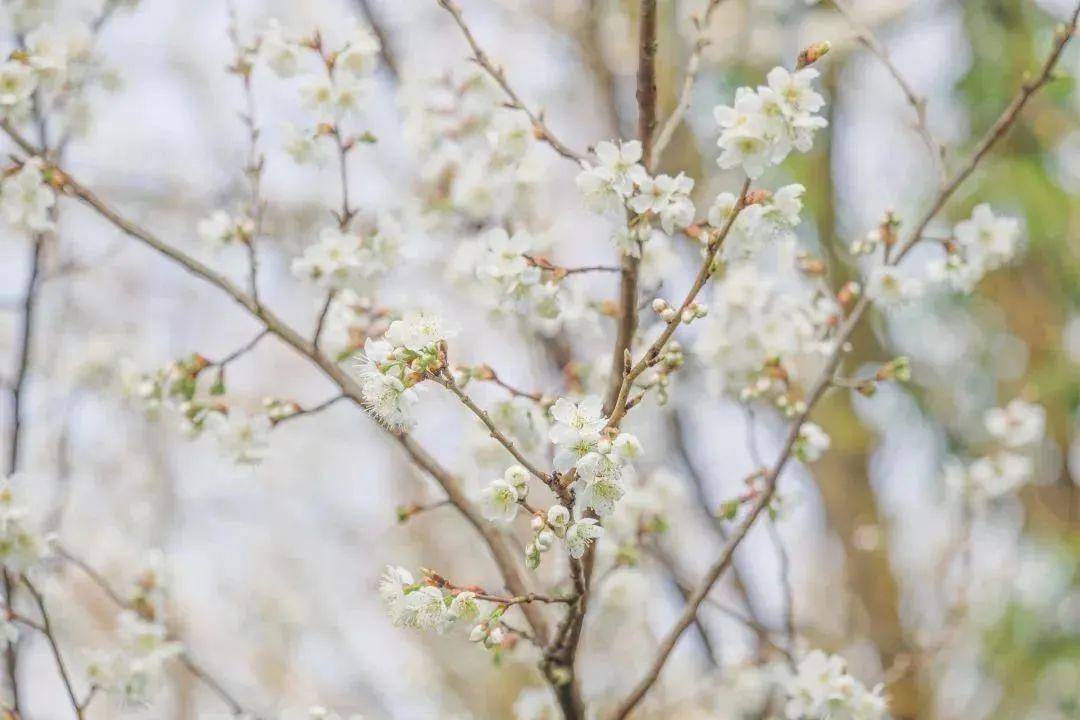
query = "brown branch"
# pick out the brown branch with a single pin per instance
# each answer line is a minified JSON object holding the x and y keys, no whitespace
{"x":693,"y":65}
{"x":499,"y":76}
{"x":505,"y":558}
{"x":632,"y":372}
{"x":54,"y":646}
{"x":325,"y":404}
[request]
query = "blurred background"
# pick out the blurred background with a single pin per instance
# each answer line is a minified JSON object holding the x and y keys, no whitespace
{"x":272,"y":570}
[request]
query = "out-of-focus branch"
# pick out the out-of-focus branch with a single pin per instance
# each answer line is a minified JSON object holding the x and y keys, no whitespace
{"x":234,"y":705}
{"x":505,"y":557}
{"x":253,"y":169}
{"x":869,"y":40}
{"x":499,"y":76}
{"x":47,"y":630}
{"x":693,"y":65}
{"x":385,"y":52}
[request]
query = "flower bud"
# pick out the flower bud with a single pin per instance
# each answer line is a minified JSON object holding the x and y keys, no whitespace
{"x":538,"y":523}
{"x":478,"y":633}
{"x":812,"y":54}
{"x":558,"y":517}
{"x":544,"y":540}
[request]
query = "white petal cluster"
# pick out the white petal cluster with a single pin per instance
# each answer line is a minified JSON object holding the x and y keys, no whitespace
{"x":221,"y":229}
{"x":580,"y":535}
{"x":602,"y":461}
{"x":25,"y":197}
{"x":982,"y":243}
{"x":17,"y":84}
{"x":352,"y":259}
{"x":619,"y":182}
{"x":241,"y":437}
{"x":494,"y":269}
{"x":21,"y":546}
{"x":893,"y":286}
{"x":334,"y":85}
{"x":424,"y":607}
{"x":822,"y":689}
{"x":390,"y":368}
{"x":771,"y":221}
{"x":765,"y":339}
{"x":1017,"y":430}
{"x":350,"y":320}
{"x":499,"y":500}
{"x":764,"y":126}
{"x":478,"y":160}
{"x":134,"y":671}
{"x":811,"y":443}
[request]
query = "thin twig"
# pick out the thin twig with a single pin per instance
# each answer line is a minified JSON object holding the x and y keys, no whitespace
{"x":241,"y":351}
{"x":870,"y":41}
{"x":446,"y":379}
{"x":316,"y":337}
{"x":313,"y":409}
{"x":385,"y":52}
{"x":54,"y":646}
{"x":499,"y":76}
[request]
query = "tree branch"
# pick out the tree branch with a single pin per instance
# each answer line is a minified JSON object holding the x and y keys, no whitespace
{"x":499,"y":76}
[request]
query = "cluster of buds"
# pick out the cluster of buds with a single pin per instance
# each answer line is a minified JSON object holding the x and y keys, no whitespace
{"x":848,"y":292}
{"x":667,"y":313}
{"x":772,"y":381}
{"x":546,"y":527}
{"x":670,"y":359}
{"x":491,"y":632}
{"x":898,"y":369}
{"x":886,"y":233}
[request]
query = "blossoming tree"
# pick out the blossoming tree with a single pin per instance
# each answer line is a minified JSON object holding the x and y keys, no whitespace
{"x":570,"y":499}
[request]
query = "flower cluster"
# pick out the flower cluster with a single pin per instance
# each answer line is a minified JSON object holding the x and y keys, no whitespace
{"x":181,"y":388}
{"x":134,"y":671}
{"x":1017,"y":430}
{"x":982,"y":243}
{"x":822,"y":689}
{"x":478,"y":159}
{"x":500,"y":271}
{"x":978,"y":245}
{"x":620,"y":182}
{"x":348,"y":259}
{"x":424,"y":606}
{"x":763,"y":339}
{"x":601,"y":458}
{"x":21,"y":546}
{"x":768,"y":221}
{"x":391,"y":368}
{"x":333,"y":84}
{"x":221,"y":229}
{"x":26,"y":199}
{"x":501,"y":498}
{"x":764,"y":126}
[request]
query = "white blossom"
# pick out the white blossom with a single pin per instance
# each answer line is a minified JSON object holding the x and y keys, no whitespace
{"x":281,"y":55}
{"x":892,"y":286}
{"x":499,"y":501}
{"x":17,"y":84}
{"x":822,"y":689}
{"x":392,"y":587}
{"x":667,"y":198}
{"x":762,"y":127}
{"x":812,"y":442}
{"x":580,"y":534}
{"x":607,"y":185}
{"x":999,"y":474}
{"x":240,"y":437}
{"x":1018,"y":424}
{"x":25,"y":198}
